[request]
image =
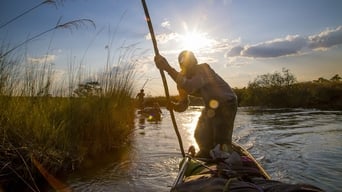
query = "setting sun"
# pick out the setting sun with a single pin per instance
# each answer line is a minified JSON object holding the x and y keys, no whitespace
{"x":195,"y":41}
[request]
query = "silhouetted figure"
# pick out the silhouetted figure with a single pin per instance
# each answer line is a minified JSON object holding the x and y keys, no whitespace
{"x":215,"y":125}
{"x":155,"y":112}
{"x":140,"y":97}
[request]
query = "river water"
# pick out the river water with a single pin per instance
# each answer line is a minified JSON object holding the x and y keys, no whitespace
{"x":293,"y":145}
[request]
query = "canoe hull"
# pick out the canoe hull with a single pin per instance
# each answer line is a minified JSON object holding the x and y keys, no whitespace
{"x":238,"y":171}
{"x":198,"y":174}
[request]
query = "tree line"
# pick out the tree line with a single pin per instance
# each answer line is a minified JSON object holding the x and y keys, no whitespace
{"x":281,"y":89}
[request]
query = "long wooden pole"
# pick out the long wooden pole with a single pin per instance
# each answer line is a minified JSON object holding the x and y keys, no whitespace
{"x":162,"y":74}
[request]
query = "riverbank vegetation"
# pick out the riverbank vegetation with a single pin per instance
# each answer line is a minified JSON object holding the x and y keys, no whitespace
{"x":59,"y":127}
{"x":53,"y":122}
{"x":281,"y":89}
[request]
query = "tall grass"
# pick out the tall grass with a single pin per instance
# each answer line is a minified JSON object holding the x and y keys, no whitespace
{"x":59,"y":127}
{"x":60,"y":131}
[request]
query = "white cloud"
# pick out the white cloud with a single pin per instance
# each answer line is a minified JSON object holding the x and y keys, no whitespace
{"x":290,"y":45}
{"x":42,"y":59}
{"x":222,"y":44}
{"x":275,"y":48}
{"x":326,"y":39}
{"x":164,"y":37}
{"x":166,"y":24}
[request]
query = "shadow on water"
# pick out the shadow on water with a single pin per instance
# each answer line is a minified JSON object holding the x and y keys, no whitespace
{"x":97,"y":170}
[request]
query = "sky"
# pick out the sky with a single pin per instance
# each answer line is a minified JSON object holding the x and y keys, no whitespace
{"x":239,"y":39}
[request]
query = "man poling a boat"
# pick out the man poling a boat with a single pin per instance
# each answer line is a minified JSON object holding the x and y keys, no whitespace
{"x":215,"y":125}
{"x":227,"y":166}
{"x":140,"y":96}
{"x":220,"y":165}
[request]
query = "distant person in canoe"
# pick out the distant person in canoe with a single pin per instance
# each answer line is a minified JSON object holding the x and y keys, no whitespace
{"x":154,"y":113}
{"x":140,"y":97}
{"x":215,"y":125}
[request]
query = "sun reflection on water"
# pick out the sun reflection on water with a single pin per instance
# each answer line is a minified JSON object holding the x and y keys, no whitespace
{"x":189,"y":124}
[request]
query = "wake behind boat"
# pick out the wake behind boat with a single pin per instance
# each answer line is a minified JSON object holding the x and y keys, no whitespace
{"x":236,"y":171}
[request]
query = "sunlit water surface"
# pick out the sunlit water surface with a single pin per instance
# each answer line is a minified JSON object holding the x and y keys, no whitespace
{"x":293,"y":145}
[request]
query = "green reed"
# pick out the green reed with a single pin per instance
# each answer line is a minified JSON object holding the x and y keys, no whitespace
{"x":60,"y":128}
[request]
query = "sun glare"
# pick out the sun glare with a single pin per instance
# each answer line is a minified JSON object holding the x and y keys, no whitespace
{"x":195,"y":41}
